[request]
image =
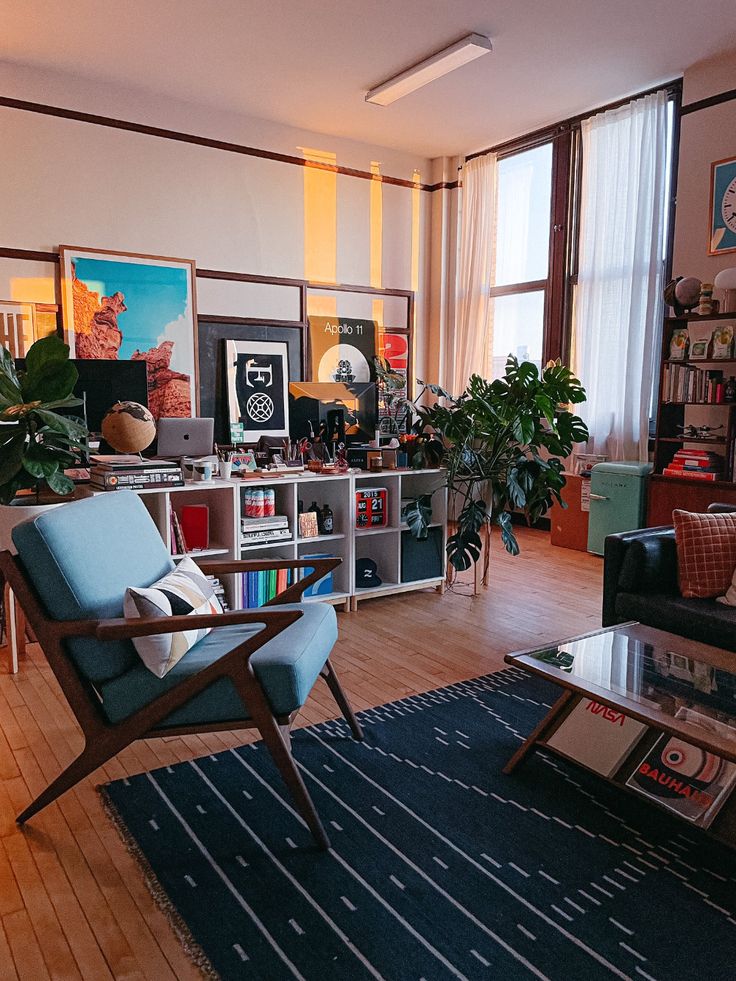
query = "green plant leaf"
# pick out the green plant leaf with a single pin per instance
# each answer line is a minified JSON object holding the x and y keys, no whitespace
{"x":418,"y":514}
{"x":59,"y":483}
{"x":463,"y":550}
{"x":51,"y":381}
{"x":503,"y":520}
{"x":61,"y":424}
{"x":11,"y":454}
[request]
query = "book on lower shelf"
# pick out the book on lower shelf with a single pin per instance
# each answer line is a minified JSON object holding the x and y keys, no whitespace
{"x":692,"y":782}
{"x":696,"y":465}
{"x":597,"y":736}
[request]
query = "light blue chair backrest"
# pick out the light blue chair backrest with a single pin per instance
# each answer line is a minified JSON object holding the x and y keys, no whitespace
{"x":82,"y":557}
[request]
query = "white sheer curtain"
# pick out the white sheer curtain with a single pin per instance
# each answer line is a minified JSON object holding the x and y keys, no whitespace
{"x":618,"y":304}
{"x":475,"y":255}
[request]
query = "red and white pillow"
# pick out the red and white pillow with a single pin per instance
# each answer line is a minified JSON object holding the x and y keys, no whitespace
{"x":706,"y":554}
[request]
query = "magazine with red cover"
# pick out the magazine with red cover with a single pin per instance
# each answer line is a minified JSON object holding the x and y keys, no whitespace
{"x":690,"y":781}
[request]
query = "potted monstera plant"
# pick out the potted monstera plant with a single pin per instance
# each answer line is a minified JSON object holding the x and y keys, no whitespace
{"x":501,"y":445}
{"x":37,"y":443}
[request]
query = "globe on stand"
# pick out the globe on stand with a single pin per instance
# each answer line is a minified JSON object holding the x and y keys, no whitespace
{"x":128,"y":427}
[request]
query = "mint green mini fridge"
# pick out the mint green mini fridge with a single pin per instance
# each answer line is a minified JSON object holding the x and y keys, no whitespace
{"x":618,"y":500}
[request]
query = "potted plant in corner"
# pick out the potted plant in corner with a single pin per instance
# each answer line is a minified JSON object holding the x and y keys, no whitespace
{"x":37,"y":443}
{"x":502,"y":444}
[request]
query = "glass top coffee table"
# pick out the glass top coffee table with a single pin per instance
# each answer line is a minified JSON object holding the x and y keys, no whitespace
{"x":668,"y":683}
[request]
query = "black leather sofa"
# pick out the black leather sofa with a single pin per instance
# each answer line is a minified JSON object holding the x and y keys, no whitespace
{"x":640,"y":583}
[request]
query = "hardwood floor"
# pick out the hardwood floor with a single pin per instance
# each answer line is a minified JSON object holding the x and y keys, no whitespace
{"x":73,"y":903}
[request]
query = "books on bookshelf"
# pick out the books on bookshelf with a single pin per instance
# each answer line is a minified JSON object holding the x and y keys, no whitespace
{"x":597,"y":736}
{"x":690,"y":781}
{"x":178,"y":541}
{"x":114,"y":472}
{"x":696,"y":465}
{"x":685,"y":383}
{"x":219,"y":590}
{"x":262,"y":586}
{"x":263,"y":531}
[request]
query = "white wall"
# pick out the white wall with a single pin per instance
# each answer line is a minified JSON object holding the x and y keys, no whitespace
{"x":69,"y":182}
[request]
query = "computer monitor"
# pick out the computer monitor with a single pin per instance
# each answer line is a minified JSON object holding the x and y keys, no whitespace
{"x":101,"y":384}
{"x":349,"y":410}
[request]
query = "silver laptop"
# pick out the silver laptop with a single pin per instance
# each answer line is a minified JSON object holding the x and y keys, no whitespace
{"x":185,"y":437}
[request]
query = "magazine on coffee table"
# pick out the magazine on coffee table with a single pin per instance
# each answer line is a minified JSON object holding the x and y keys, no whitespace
{"x":690,"y":781}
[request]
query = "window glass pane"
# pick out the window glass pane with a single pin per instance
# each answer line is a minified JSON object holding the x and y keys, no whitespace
{"x":517,"y":327}
{"x":523,"y":216}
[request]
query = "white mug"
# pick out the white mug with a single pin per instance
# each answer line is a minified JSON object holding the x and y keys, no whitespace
{"x":203,"y":471}
{"x":226,"y":469}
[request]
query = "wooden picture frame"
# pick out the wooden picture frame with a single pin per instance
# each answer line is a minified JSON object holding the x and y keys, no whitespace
{"x":17,"y":326}
{"x":722,"y":212}
{"x":134,"y":306}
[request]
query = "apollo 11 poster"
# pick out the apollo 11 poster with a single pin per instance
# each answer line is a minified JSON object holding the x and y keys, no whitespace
{"x":342,"y":349}
{"x":257,"y":387}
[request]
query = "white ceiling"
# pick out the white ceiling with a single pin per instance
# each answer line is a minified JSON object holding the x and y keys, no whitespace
{"x":308,"y":63}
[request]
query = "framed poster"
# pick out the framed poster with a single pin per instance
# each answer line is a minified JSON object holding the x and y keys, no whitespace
{"x":213,"y":332}
{"x":258,"y":389}
{"x":342,"y":349}
{"x":129,"y":307}
{"x":17,"y":326}
{"x":722,"y":206}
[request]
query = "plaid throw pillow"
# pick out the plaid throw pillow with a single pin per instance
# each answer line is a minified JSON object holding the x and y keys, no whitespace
{"x":706,"y":552}
{"x":186,"y":590}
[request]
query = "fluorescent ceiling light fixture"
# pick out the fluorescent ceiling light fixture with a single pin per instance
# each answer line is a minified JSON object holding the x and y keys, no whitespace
{"x":458,"y":54}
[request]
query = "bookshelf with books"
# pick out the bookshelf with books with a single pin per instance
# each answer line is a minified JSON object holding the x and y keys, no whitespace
{"x":694,"y":458}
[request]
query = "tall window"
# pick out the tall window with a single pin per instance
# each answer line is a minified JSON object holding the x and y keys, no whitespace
{"x":521,"y":257}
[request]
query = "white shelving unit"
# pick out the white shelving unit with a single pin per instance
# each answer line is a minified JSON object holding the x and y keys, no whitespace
{"x":386,"y":545}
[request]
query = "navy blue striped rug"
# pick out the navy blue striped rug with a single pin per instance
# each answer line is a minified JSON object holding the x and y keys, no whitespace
{"x":441,"y":866}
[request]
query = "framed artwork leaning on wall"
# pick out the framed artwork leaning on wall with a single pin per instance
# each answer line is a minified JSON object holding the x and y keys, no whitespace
{"x":129,"y":306}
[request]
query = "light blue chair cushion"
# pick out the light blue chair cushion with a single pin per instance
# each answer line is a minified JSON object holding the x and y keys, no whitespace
{"x":82,"y":557}
{"x":287,"y":667}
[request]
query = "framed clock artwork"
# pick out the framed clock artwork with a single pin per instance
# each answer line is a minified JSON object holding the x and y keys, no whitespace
{"x":722,"y":207}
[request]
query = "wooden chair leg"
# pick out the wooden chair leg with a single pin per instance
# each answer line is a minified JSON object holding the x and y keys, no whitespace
{"x":85,"y":763}
{"x":328,"y":673}
{"x":260,"y":711}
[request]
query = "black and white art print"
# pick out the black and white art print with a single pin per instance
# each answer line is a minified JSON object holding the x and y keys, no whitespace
{"x":257,"y":387}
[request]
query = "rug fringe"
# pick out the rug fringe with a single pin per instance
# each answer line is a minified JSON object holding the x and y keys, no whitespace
{"x":183,"y":934}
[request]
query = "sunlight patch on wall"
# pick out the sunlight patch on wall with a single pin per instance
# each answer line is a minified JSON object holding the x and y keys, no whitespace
{"x":37,"y":289}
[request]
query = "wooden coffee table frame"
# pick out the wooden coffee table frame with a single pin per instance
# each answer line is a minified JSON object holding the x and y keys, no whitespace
{"x":576,"y":689}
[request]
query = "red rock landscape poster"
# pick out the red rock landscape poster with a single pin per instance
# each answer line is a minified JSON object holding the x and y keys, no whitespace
{"x":129,"y":308}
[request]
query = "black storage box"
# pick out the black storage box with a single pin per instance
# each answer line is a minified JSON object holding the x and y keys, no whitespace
{"x":421,"y":559}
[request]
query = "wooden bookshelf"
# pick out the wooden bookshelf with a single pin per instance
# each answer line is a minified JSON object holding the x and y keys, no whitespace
{"x":669,"y":492}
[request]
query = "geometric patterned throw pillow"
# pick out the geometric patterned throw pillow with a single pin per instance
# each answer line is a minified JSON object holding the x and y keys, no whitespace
{"x":706,"y":552}
{"x":186,"y":590}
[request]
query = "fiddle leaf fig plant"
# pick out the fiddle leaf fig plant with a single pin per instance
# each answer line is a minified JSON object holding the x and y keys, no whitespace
{"x":502,"y":447}
{"x":37,"y":443}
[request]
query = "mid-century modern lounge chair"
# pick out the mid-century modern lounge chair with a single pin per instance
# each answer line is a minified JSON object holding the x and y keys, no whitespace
{"x":255,"y":669}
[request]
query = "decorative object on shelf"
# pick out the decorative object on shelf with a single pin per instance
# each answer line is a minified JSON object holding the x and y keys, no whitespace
{"x":37,"y":443}
{"x":126,"y":306}
{"x":682,"y":294}
{"x":493,"y":435}
{"x":129,"y":427}
{"x":342,"y":349}
{"x":700,"y":342}
{"x":723,"y":341}
{"x":679,"y":344}
{"x":366,"y":574}
{"x":323,"y":586}
{"x":394,"y":409}
{"x":371,"y":507}
{"x":722,"y":206}
{"x":729,"y":390}
{"x":700,"y":432}
{"x":258,"y":385}
{"x":328,"y":520}
{"x":705,"y":301}
{"x":726,"y":280}
{"x":308,"y":525}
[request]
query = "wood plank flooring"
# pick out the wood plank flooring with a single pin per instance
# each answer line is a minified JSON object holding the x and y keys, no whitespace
{"x":73,"y":903}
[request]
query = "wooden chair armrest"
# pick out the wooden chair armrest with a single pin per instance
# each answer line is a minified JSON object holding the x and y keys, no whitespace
{"x":294,"y":593}
{"x":125,"y":629}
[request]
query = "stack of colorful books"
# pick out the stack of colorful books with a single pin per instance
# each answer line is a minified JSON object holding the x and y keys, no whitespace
{"x":260,"y":587}
{"x":696,"y":465}
{"x":119,"y":471}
